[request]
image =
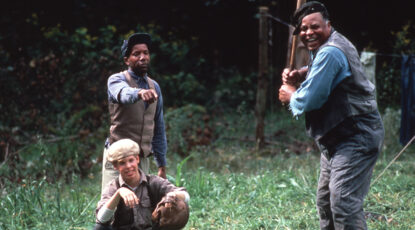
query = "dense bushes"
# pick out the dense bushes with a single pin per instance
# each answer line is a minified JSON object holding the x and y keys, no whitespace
{"x":187,"y":127}
{"x":66,"y":72}
{"x":59,"y":76}
{"x":55,"y":88}
{"x":389,"y":76}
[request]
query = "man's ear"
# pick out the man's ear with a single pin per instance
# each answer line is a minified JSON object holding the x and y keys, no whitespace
{"x":138,"y":159}
{"x":126,"y":61}
{"x":115,"y":165}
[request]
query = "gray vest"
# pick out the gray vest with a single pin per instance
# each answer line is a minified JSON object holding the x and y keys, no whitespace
{"x":355,"y":95}
{"x":133,"y":121}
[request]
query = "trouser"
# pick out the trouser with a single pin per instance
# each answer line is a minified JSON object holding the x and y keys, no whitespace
{"x":109,"y":227}
{"x":348,"y":155}
{"x":109,"y":173}
{"x":102,"y":227}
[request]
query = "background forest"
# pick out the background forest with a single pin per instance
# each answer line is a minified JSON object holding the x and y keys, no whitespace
{"x":56,"y":56}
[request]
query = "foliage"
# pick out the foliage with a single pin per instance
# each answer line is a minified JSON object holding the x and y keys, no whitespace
{"x":73,"y":150}
{"x":38,"y":204}
{"x":391,"y":122}
{"x":404,"y":43}
{"x":178,"y":181}
{"x":62,"y":72}
{"x":176,"y":67}
{"x":65,"y":97}
{"x":388,"y":84}
{"x":54,"y":81}
{"x":65,"y":73}
{"x":187,"y":78}
{"x":389,"y":76}
{"x":186,"y":127}
{"x":234,"y":89}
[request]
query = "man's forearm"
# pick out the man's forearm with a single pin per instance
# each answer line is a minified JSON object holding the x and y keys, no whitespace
{"x":104,"y":214}
{"x":108,"y":209}
{"x":113,"y":202}
{"x":120,"y":92}
{"x":129,"y":95}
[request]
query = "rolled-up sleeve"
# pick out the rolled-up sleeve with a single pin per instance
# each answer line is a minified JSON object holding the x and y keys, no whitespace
{"x":120,"y":92}
{"x":329,"y":68}
{"x":108,"y":192}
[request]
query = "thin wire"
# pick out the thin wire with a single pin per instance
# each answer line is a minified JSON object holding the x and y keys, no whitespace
{"x":390,"y":55}
{"x":394,"y":159}
{"x":279,"y":20}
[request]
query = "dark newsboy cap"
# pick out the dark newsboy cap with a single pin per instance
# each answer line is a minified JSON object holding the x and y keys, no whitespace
{"x":137,"y":38}
{"x":306,"y":9}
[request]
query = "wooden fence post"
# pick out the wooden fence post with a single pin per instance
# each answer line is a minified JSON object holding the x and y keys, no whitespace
{"x":262,"y":84}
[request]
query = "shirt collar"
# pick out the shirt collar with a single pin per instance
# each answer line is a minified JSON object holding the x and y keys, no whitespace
{"x":143,"y":179}
{"x":313,"y":53}
{"x":135,"y":76}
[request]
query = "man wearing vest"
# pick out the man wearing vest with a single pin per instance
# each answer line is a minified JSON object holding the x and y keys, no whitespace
{"x":341,"y":115}
{"x":136,"y":108}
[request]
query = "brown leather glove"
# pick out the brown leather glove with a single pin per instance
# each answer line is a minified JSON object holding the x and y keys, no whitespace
{"x":171,"y":213}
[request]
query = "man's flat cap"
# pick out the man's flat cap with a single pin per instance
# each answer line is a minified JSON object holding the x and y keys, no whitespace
{"x":122,"y":148}
{"x":306,"y":9}
{"x":137,"y":38}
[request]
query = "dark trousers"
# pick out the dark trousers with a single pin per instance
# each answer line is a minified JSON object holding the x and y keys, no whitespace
{"x":348,"y":155}
{"x":102,"y":227}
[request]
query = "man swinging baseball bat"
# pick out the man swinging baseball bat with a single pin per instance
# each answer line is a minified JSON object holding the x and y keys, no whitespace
{"x":341,"y":115}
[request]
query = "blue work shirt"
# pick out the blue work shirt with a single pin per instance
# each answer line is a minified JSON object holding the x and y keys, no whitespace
{"x":120,"y":92}
{"x":329,"y":68}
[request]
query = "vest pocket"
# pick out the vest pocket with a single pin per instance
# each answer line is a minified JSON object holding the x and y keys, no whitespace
{"x":144,"y":213}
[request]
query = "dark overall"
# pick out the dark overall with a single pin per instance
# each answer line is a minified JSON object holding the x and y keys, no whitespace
{"x":349,"y":132}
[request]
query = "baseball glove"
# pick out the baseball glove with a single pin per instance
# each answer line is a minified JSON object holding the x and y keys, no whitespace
{"x":171,"y":213}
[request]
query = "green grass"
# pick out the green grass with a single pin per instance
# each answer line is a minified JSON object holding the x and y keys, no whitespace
{"x":45,"y":205}
{"x":231,"y":184}
{"x":268,"y":199}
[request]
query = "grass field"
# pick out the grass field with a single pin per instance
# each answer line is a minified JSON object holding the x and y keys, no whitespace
{"x":231,"y":184}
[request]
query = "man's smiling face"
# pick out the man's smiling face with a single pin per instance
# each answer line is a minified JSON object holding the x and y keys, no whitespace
{"x":314,"y":31}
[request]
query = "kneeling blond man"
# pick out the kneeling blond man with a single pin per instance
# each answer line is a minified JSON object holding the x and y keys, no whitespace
{"x":129,"y":201}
